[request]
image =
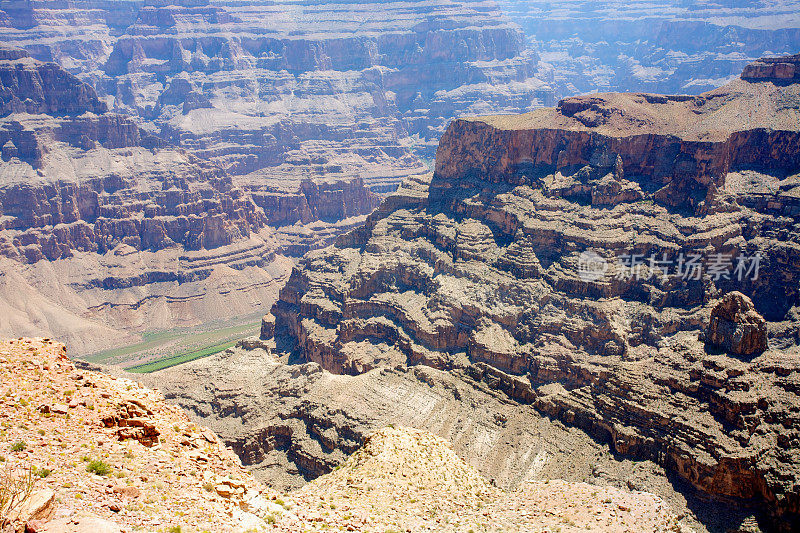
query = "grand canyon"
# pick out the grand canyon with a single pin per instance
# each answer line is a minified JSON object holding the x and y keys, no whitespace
{"x":403,"y":266}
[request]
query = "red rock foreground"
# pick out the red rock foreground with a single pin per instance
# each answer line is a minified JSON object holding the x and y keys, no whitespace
{"x":105,"y":454}
{"x":93,"y":466}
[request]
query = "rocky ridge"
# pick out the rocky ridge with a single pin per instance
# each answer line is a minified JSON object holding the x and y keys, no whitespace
{"x":486,"y":263}
{"x":437,"y":491}
{"x":109,"y":455}
{"x":291,"y":423}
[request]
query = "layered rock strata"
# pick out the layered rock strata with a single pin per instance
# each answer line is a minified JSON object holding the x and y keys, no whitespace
{"x":312,"y":111}
{"x":103,"y":226}
{"x":291,"y":423}
{"x":556,"y":247}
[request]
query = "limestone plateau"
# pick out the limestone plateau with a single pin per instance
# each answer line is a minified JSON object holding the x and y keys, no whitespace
{"x":477,"y":269}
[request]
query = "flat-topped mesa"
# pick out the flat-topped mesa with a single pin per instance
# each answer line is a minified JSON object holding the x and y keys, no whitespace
{"x":776,"y":69}
{"x":674,"y":147}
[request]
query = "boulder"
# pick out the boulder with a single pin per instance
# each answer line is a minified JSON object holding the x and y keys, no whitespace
{"x":40,"y":505}
{"x":736,"y":326}
{"x":133,"y":420}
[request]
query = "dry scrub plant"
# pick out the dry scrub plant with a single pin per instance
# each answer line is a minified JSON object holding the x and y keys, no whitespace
{"x":14,"y":491}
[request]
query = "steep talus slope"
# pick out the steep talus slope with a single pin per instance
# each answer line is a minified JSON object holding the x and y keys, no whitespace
{"x":515,"y":256}
{"x":657,"y":46}
{"x":105,"y":227}
{"x":109,"y":455}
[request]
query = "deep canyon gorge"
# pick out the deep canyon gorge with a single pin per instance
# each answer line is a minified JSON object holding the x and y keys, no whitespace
{"x":563,"y":237}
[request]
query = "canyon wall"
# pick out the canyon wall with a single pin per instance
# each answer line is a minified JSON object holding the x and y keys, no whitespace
{"x":552,"y":248}
{"x":105,"y":227}
{"x":293,"y":118}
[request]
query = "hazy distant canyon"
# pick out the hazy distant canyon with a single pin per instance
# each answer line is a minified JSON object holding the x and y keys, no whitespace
{"x":668,"y":47}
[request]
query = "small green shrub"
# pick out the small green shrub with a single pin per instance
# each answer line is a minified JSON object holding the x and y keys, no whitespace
{"x":19,"y":446}
{"x":96,"y":466}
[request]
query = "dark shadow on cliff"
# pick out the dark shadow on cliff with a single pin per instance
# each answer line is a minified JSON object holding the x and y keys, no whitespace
{"x":721,"y":516}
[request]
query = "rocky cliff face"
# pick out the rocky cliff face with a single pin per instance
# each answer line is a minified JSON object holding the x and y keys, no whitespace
{"x":314,"y":114}
{"x":666,"y":47}
{"x":102,"y":223}
{"x":556,"y":247}
{"x":27,"y":86}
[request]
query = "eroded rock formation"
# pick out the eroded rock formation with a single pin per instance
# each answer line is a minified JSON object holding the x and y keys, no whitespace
{"x":313,"y":113}
{"x":87,"y":475}
{"x":278,"y":90}
{"x":555,"y":247}
{"x":736,"y":326}
{"x":776,"y":69}
{"x":292,"y":423}
{"x":190,"y":480}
